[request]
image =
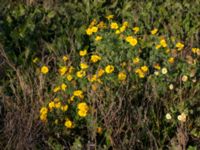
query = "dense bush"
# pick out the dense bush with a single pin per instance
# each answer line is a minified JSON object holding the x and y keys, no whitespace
{"x":118,"y":74}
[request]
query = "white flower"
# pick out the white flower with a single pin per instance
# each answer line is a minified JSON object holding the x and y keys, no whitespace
{"x":194,"y":80}
{"x":164,"y":70}
{"x":171,"y":86}
{"x":182,"y":117}
{"x":184,"y":78}
{"x":168,"y":116}
{"x":156,"y":73}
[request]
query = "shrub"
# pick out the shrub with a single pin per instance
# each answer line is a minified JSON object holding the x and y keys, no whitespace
{"x":124,"y":84}
{"x":146,"y":96}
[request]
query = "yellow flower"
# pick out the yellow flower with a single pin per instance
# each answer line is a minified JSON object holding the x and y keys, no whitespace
{"x":125,"y":24}
{"x":136,"y":29}
{"x":117,"y":32}
{"x":51,"y":105}
{"x":144,"y":68}
{"x":83,"y":106}
{"x":154,"y":31}
{"x":122,"y":29}
{"x":182,"y":117}
{"x":69,"y":77}
{"x":83,"y":53}
{"x":93,"y":78}
{"x":100,"y":72}
{"x":43,"y":114}
{"x":131,"y":40}
{"x":164,"y":71}
{"x":109,"y":17}
{"x":43,"y":117}
{"x":184,"y":78}
{"x":83,"y":109}
{"x":89,"y":31}
{"x":158,"y":46}
{"x":94,"y":21}
{"x":56,"y":99}
{"x":82,"y":113}
{"x":65,"y":58}
{"x":68,"y":123}
{"x":114,"y":25}
{"x":101,"y":25}
{"x":180,"y":46}
{"x":136,"y":60}
{"x":196,"y":51}
{"x":83,"y":65}
{"x":138,"y":70}
{"x":109,"y":69}
{"x":43,"y":110}
{"x":63,"y":86}
{"x":167,"y":51}
{"x":78,"y":93}
{"x":81,"y":74}
{"x":163,"y":43}
{"x":71,"y":98}
{"x":171,"y":60}
{"x":94,"y":29}
{"x":122,"y":76}
{"x":157,"y":66}
{"x":57,"y":105}
{"x":95,"y":58}
{"x":98,"y":38}
{"x":99,"y":130}
{"x":141,"y":74}
{"x":62,"y":70}
{"x":56,"y":89}
{"x":44,"y":69}
{"x":64,"y":108}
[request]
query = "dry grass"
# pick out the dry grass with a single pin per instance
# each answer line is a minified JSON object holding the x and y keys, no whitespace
{"x":21,"y":129}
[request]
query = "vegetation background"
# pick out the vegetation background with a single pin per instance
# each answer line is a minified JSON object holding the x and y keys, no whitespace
{"x":48,"y":29}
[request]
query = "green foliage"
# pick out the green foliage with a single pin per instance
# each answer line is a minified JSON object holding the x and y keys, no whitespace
{"x":76,"y":145}
{"x":54,"y":145}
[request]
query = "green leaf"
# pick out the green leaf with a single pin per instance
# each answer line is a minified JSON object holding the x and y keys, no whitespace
{"x":51,"y":14}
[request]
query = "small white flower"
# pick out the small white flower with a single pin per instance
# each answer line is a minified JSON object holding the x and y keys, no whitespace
{"x":156,"y":73}
{"x":171,"y":86}
{"x":182,"y":117}
{"x":168,"y":116}
{"x":164,"y":71}
{"x":194,"y":80}
{"x":184,"y":78}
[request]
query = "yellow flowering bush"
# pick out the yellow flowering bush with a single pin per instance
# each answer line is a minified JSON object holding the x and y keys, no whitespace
{"x":73,"y":78}
{"x":124,"y":67}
